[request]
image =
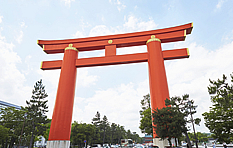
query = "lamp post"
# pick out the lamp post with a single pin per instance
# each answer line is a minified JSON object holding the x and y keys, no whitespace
{"x":22,"y":129}
{"x":189,"y":104}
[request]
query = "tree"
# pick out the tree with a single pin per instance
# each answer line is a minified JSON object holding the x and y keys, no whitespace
{"x":81,"y":132}
{"x":145,"y":115}
{"x":46,"y":133}
{"x":96,"y":119}
{"x":37,"y":107}
{"x":168,"y":123}
{"x":12,"y":119}
{"x":113,"y":131}
{"x":104,"y":124}
{"x":100,"y":131}
{"x":171,"y":120}
{"x":3,"y":135}
{"x":120,"y":133}
{"x":219,"y":120}
{"x":202,"y":137}
{"x":96,"y":123}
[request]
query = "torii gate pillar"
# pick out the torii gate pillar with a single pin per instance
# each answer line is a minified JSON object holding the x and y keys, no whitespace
{"x":157,"y":80}
{"x":59,"y":136}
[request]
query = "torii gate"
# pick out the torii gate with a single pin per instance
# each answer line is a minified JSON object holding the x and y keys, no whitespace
{"x":59,"y":136}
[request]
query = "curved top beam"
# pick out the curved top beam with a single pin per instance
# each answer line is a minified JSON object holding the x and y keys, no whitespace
{"x":188,"y":27}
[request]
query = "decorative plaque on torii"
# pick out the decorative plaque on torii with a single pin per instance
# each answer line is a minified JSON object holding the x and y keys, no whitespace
{"x":60,"y":129}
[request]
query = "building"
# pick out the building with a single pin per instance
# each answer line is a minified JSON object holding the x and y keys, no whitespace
{"x":147,"y":139}
{"x":5,"y":104}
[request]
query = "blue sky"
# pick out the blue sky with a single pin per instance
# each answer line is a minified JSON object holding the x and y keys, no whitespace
{"x":114,"y":91}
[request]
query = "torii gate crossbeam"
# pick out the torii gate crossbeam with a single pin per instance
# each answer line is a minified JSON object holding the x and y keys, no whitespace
{"x":60,"y":129}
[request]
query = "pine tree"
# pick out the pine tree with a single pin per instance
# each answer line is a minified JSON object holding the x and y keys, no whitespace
{"x":37,"y":108}
{"x":104,"y":124}
{"x":171,"y":121}
{"x":219,"y":119}
{"x":96,"y":121}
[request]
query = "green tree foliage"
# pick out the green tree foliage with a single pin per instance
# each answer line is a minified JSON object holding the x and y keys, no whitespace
{"x":12,"y":119}
{"x":113,"y":129}
{"x":96,"y":122}
{"x":145,"y":115}
{"x":219,"y":120}
{"x":202,"y":137}
{"x":171,"y":121}
{"x":81,"y":132}
{"x":103,"y":127}
{"x":96,"y":119}
{"x":36,"y":109}
{"x":3,"y":135}
{"x":103,"y":132}
{"x":46,"y":133}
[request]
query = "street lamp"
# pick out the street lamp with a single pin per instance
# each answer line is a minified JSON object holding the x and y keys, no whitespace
{"x":22,"y":129}
{"x":189,"y":104}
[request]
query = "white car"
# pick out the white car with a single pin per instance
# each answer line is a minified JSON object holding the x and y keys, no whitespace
{"x":96,"y":146}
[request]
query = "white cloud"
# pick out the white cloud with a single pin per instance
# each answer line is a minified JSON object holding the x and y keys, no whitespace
{"x":1,"y":18}
{"x":135,"y":24}
{"x":12,"y":88}
{"x":19,"y":37}
{"x":22,"y":25}
{"x":79,"y":34}
{"x":27,"y":62}
{"x":100,"y":30}
{"x":131,"y":24}
{"x":220,"y":3}
{"x":119,"y":4}
{"x":84,"y":79}
{"x":67,"y":2}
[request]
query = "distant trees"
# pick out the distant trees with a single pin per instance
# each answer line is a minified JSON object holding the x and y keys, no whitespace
{"x":11,"y":121}
{"x":81,"y":132}
{"x":219,"y":120}
{"x":100,"y":131}
{"x":202,"y":137}
{"x":3,"y":134}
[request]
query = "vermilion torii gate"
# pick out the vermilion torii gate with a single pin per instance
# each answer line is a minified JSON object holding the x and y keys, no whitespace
{"x":60,"y":129}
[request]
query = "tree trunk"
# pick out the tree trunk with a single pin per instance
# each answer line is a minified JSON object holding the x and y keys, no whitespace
{"x":32,"y":136}
{"x":187,"y":138}
{"x":170,"y":143}
{"x":112,"y":137}
{"x":176,"y":141}
{"x":6,"y":143}
{"x":12,"y":142}
{"x":104,"y":136}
